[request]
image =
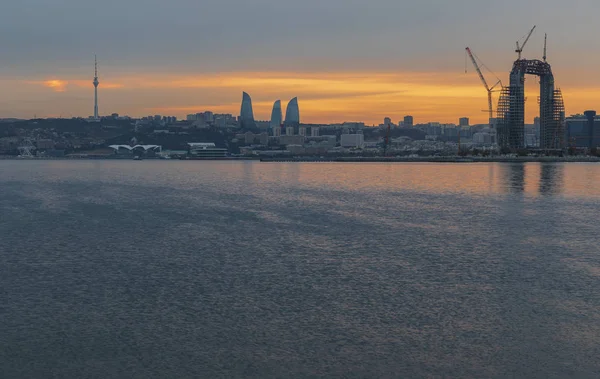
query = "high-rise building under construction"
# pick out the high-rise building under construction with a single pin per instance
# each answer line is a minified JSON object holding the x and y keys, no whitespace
{"x":511,"y":108}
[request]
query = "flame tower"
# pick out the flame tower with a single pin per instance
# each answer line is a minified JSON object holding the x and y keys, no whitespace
{"x":96,"y":82}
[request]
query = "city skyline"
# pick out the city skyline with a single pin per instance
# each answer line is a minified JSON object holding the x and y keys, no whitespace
{"x":340,"y":97}
{"x":375,"y":69}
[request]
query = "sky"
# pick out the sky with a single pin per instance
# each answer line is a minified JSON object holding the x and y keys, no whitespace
{"x":346,"y":60}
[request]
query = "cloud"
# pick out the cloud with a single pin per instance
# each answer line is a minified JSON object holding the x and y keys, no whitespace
{"x":62,"y":85}
{"x":56,"y":85}
{"x":324,"y":96}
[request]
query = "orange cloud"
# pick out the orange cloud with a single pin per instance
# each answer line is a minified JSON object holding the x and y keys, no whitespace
{"x":56,"y":85}
{"x":60,"y":85}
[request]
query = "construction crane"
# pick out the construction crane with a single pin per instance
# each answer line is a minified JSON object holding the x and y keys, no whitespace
{"x":521,"y":47}
{"x":485,"y":83}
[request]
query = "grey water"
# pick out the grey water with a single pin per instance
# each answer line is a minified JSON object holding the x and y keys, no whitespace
{"x":164,"y":269}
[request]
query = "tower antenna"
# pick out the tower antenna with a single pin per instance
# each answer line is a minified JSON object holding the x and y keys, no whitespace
{"x":545,"y":45}
{"x":96,"y":82}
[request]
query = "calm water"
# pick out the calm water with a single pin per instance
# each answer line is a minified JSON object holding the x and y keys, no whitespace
{"x":158,"y":269}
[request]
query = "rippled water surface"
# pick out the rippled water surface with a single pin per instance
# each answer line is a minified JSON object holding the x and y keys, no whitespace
{"x":159,"y":269}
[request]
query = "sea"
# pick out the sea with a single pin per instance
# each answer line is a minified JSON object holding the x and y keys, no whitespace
{"x":173,"y":269}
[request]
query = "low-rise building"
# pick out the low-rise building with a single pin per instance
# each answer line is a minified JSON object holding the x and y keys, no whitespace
{"x":482,"y":139}
{"x":206,"y":150}
{"x":296,"y":149}
{"x":291,"y":140}
{"x":328,"y":141}
{"x":44,"y":144}
{"x":8,"y":144}
{"x":352,"y":140}
{"x":250,"y":138}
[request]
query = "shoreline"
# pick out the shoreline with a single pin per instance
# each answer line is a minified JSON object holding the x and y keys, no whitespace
{"x":439,"y":160}
{"x":576,"y":159}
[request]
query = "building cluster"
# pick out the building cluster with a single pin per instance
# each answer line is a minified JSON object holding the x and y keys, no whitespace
{"x":277,"y":126}
{"x":158,"y":119}
{"x":210,"y":119}
{"x":407,"y":122}
{"x":165,"y":135}
{"x":550,"y":131}
{"x":41,"y":138}
{"x":286,"y":134}
{"x":222,"y":134}
{"x":404,"y":137}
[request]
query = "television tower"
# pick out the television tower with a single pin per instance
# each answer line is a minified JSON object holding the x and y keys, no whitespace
{"x":96,"y":82}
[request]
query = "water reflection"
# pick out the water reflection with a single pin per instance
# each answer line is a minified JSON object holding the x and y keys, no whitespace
{"x":491,"y":176}
{"x":532,"y":179}
{"x":295,"y":260}
{"x":514,"y":177}
{"x":551,"y":178}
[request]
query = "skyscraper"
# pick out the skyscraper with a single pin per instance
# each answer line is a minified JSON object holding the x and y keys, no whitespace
{"x":591,"y":121}
{"x":96,"y":82}
{"x":246,"y":113}
{"x":511,"y":108}
{"x":292,"y":114}
{"x":408,"y":121}
{"x":276,"y":117}
{"x":463,"y":121}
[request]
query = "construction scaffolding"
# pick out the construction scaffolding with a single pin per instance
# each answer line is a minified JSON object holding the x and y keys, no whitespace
{"x":510,"y":124}
{"x":556,"y":126}
{"x":511,"y":108}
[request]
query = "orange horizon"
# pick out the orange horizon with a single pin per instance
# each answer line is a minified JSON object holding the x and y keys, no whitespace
{"x":324,"y":97}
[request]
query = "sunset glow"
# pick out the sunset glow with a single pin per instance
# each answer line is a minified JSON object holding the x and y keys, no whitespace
{"x":344,"y":60}
{"x":56,"y":85}
{"x":324,"y":97}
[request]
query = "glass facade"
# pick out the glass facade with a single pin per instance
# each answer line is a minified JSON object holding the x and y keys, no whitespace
{"x":292,"y":113}
{"x":246,"y":113}
{"x":276,"y":116}
{"x":579,"y":133}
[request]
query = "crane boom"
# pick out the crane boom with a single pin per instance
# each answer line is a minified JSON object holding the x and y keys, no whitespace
{"x":478,"y":69}
{"x":521,"y":47}
{"x":485,"y":84}
{"x":528,"y":37}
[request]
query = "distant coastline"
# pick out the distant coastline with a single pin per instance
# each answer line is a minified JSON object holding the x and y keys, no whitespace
{"x":449,"y":159}
{"x":441,"y":159}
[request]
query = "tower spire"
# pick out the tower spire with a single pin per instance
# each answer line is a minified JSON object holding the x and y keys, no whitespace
{"x":96,"y":82}
{"x":545,"y":45}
